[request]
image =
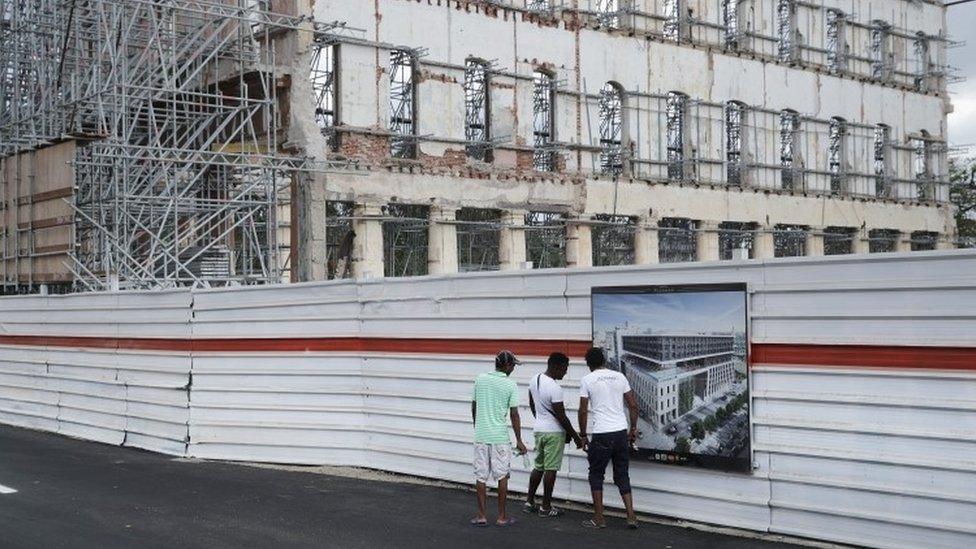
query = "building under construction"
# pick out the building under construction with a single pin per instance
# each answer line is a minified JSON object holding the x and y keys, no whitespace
{"x":160,"y":143}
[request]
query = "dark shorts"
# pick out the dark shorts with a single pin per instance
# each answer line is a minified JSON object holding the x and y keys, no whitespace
{"x":607,"y":448}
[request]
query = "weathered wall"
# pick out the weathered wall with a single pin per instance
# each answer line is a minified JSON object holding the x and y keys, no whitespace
{"x":583,"y":56}
{"x":876,"y":451}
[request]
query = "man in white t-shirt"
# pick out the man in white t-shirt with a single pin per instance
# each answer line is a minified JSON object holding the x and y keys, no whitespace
{"x":604,"y":393}
{"x":551,"y":429}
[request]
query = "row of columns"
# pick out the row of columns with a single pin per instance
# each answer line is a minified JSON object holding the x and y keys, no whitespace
{"x":442,"y":254}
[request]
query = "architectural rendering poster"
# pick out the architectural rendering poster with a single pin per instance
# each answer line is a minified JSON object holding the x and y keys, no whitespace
{"x":683,"y":349}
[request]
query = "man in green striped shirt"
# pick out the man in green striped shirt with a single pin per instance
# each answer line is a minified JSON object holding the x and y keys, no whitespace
{"x":495,"y":400}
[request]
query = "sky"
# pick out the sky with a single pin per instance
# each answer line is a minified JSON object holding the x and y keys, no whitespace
{"x":962,"y":28}
{"x":676,"y":312}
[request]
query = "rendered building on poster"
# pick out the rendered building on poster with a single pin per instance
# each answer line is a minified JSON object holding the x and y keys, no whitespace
{"x":675,"y":374}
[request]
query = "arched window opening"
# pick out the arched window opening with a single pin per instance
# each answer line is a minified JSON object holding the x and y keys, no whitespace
{"x":543,"y":121}
{"x":672,"y":19}
{"x":731,"y":22}
{"x":403,"y":142}
{"x":325,"y":90}
{"x":786,"y":30}
{"x":477,"y":129}
{"x":677,"y":108}
{"x":611,"y":129}
{"x":879,"y":49}
{"x":734,"y":114}
{"x":836,"y":141}
{"x":921,"y":62}
{"x":608,"y":13}
{"x":789,"y":130}
{"x":836,"y":41}
{"x":882,"y":184}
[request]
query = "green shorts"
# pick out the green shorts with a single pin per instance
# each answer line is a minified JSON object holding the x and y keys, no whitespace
{"x":549,"y":451}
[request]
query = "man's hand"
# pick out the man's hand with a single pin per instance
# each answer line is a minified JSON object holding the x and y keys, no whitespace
{"x":632,"y":435}
{"x":584,"y":442}
{"x":580,"y":442}
{"x":522,"y":450}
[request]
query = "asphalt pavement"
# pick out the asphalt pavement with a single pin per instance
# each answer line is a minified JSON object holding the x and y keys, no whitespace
{"x":72,"y":493}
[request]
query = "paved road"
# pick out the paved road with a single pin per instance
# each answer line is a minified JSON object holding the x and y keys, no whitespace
{"x":72,"y":493}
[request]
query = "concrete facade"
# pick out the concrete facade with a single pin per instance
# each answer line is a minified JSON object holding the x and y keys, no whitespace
{"x":845,"y":74}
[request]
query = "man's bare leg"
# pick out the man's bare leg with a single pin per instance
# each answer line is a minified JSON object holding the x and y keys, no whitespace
{"x":629,"y":505}
{"x":598,"y":507}
{"x":482,"y":490}
{"x":534,"y":480}
{"x":502,"y":498}
{"x":549,"y":482}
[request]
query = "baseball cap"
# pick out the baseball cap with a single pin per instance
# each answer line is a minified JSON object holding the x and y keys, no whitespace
{"x":504,"y":358}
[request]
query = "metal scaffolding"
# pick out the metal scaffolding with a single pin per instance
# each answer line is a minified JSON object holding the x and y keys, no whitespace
{"x":179,"y":173}
{"x":545,"y":239}
{"x":478,"y":239}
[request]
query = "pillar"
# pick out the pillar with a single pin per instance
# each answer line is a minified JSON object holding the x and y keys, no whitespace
{"x":904,"y":242}
{"x":442,"y":252}
{"x":765,"y":243}
{"x":308,"y":228}
{"x":579,"y":244}
{"x":367,"y":248}
{"x":815,"y":242}
{"x":861,"y":244}
{"x":946,"y":241}
{"x":511,"y":240}
{"x":708,"y":241}
{"x":646,"y":242}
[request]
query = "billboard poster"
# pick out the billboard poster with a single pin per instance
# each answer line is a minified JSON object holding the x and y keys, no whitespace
{"x":684,"y":352}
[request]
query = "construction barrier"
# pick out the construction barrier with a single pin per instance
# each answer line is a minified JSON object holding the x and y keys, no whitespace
{"x":863,"y":382}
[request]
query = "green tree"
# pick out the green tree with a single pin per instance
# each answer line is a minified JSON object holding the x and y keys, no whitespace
{"x":697,"y":430}
{"x":962,"y":193}
{"x":722,"y":414}
{"x":681,"y":445}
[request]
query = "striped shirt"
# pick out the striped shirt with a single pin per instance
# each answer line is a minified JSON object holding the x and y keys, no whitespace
{"x":494,"y":395}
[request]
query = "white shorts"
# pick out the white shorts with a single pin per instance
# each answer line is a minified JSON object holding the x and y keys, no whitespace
{"x":492,"y":462}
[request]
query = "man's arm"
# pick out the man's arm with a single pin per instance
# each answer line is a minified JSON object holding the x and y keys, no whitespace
{"x":581,"y":416}
{"x":517,"y":427}
{"x":632,"y":408}
{"x":474,"y":411}
{"x":560,"y":411}
{"x":532,"y":404}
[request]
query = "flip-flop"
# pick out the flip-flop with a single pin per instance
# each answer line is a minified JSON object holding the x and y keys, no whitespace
{"x":589,"y":523}
{"x":508,"y":522}
{"x":632,"y":525}
{"x":528,"y":508}
{"x":549,"y":513}
{"x":479,"y":523}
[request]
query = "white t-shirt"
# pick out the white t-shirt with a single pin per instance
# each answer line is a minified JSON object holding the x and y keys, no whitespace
{"x":606,"y":388}
{"x":545,"y":391}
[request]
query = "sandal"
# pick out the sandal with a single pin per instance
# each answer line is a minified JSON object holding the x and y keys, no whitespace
{"x":529,"y":508}
{"x":479,"y":522}
{"x":632,"y":525}
{"x":549,"y":513}
{"x":506,"y":523}
{"x":590,"y":523}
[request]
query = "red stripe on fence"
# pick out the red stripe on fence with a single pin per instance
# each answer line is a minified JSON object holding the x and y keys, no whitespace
{"x":866,"y":356}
